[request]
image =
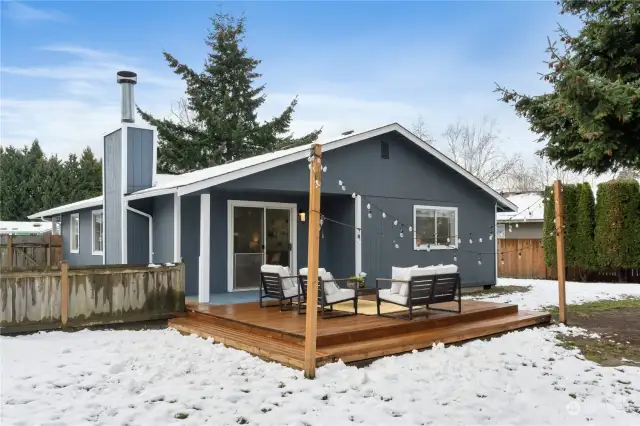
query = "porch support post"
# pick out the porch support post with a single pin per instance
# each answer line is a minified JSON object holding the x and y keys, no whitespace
{"x":358,"y":236}
{"x":177,"y":223}
{"x":205,"y":246}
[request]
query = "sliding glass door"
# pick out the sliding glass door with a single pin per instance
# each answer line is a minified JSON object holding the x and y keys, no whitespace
{"x":261,"y":234}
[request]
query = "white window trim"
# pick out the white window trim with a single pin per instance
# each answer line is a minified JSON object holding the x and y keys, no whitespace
{"x":93,"y":233}
{"x":71,"y":231}
{"x":454,"y":243}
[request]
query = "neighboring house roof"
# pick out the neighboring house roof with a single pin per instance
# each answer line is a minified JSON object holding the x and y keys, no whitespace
{"x":530,"y":208}
{"x":195,"y":181}
{"x":24,"y":228}
{"x":78,"y":205}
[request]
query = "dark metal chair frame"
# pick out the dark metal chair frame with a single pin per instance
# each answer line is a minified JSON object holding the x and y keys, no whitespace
{"x":271,"y":287}
{"x":424,"y":291}
{"x":322,"y":299}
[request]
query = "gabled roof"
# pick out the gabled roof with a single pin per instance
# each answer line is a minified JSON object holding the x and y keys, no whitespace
{"x":188,"y":183}
{"x":530,"y":208}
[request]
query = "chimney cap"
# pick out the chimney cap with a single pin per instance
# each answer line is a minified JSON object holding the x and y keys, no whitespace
{"x":127,"y":77}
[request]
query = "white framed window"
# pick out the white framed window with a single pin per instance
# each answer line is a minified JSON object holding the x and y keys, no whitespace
{"x":435,"y":228}
{"x":74,"y":244}
{"x":97,"y":232}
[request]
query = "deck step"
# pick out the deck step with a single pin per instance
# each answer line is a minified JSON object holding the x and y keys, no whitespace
{"x":406,"y":342}
{"x":290,"y":354}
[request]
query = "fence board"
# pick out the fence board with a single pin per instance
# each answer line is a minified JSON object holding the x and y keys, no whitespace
{"x":524,"y":258}
{"x":32,"y":298}
{"x":30,"y":250}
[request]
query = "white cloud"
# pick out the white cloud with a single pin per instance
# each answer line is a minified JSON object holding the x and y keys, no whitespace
{"x":21,"y":12}
{"x":83,"y":102}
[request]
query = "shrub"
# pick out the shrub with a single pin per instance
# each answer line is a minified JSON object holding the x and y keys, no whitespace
{"x":585,"y":255}
{"x":617,"y":229}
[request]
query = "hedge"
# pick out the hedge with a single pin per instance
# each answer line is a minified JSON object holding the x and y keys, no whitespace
{"x":617,"y":230}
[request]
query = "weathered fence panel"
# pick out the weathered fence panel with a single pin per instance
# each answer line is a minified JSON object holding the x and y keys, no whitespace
{"x":28,"y":251}
{"x":524,"y":258}
{"x":34,"y":299}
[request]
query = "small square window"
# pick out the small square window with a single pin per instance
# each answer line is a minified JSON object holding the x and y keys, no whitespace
{"x":435,"y":228}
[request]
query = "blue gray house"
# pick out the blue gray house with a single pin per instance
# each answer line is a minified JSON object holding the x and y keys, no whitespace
{"x":389,"y":199}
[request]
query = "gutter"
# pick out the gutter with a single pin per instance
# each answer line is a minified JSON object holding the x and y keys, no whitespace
{"x":148,"y":216}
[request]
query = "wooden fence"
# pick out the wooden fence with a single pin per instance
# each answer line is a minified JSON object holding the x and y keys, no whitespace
{"x":57,"y":297}
{"x":28,"y":251}
{"x":524,"y":258}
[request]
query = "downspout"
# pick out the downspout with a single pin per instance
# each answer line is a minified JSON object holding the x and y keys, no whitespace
{"x":148,"y":216}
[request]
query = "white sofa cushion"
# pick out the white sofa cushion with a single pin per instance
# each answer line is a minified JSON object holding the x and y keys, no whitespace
{"x":340,"y":295}
{"x":401,"y":274}
{"x":392,"y":297}
{"x":446,"y":269}
{"x":291,"y":292}
{"x":287,"y":283}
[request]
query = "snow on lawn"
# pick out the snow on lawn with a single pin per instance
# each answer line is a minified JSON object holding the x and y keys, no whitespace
{"x":545,"y":293}
{"x":162,"y":377}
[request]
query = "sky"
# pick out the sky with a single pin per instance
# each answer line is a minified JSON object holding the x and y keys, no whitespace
{"x":352,"y":65}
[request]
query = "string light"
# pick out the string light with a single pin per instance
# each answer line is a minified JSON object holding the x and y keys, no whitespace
{"x":502,"y":259}
{"x":519,"y":255}
{"x":370,"y":215}
{"x":384,"y":215}
{"x":353,"y":195}
{"x":428,"y":247}
{"x":324,"y":169}
{"x":395,"y":222}
{"x":368,"y":206}
{"x":344,"y":188}
{"x":479,"y":260}
{"x":480,"y":239}
{"x":470,"y":239}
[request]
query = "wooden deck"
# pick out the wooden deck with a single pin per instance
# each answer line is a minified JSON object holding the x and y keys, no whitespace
{"x":279,"y":336}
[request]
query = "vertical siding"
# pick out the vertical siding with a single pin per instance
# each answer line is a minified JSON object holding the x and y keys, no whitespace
{"x":409,"y":177}
{"x":139,"y":159}
{"x":137,"y":239}
{"x":84,"y":256}
{"x":190,"y":240}
{"x":112,"y":169}
{"x":163,"y":229}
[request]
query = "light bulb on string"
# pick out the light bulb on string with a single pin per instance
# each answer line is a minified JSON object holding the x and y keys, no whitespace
{"x":491,"y":236}
{"x":459,"y":240}
{"x":396,"y":244}
{"x":479,"y":260}
{"x":519,"y":255}
{"x":502,"y":260}
{"x":448,"y":239}
{"x":368,"y":206}
{"x":455,"y":257}
{"x":317,"y":184}
{"x":384,"y":215}
{"x":309,"y":166}
{"x":428,"y":247}
{"x":344,"y":188}
{"x":480,"y":239}
{"x":370,"y":215}
{"x":401,"y":233}
{"x":516,"y":225}
{"x":470,"y":239}
{"x":395,"y":222}
{"x":410,"y":228}
{"x":340,"y":182}
{"x":510,"y":228}
{"x":324,"y":169}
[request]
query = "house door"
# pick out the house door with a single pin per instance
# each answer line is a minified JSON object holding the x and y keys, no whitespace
{"x":260,"y":233}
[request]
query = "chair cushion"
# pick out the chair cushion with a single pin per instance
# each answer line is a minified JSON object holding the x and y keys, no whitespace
{"x":283,"y":271}
{"x":446,"y":269}
{"x":403,"y":274}
{"x":290,"y":292}
{"x":330,"y":286}
{"x":392,"y":297}
{"x":340,"y":295}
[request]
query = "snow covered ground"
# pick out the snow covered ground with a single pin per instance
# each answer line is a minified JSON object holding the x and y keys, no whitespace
{"x":161,"y":377}
{"x":545,"y":293}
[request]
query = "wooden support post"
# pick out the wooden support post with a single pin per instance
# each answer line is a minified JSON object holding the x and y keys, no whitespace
{"x":315,"y":179}
{"x":10,"y":251}
{"x":64,"y":292}
{"x":559,"y":227}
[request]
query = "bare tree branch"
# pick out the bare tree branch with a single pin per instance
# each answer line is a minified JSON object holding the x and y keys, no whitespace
{"x":421,"y":130}
{"x":477,"y":149}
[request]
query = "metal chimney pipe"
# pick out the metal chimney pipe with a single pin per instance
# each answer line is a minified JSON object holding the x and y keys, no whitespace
{"x":127,"y":79}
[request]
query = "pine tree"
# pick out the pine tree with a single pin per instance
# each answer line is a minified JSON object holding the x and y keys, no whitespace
{"x":590,"y":121}
{"x":89,"y":175}
{"x":220,"y":120}
{"x":548,"y":229}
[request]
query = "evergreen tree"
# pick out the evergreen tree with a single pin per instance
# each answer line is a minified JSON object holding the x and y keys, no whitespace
{"x":220,"y":121}
{"x":549,"y":229}
{"x":590,"y":121}
{"x":71,"y":180}
{"x":585,"y":256}
{"x":617,"y":230}
{"x":89,"y":175}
